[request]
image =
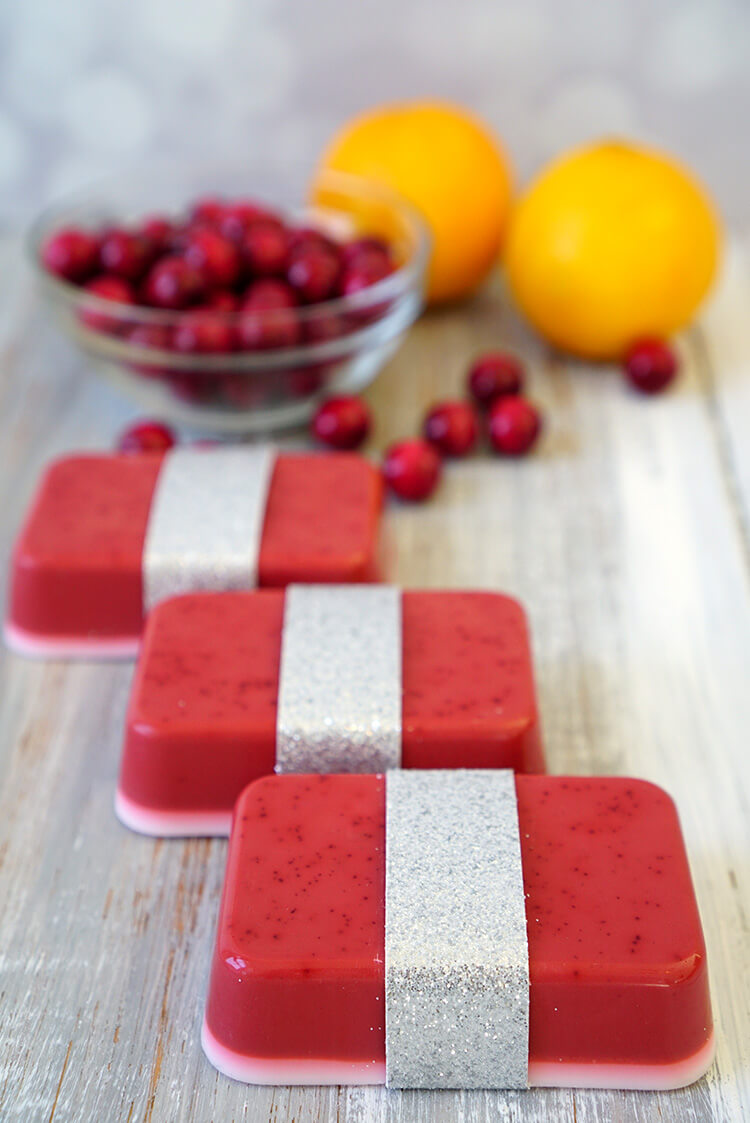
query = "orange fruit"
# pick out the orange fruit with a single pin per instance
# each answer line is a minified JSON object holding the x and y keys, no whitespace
{"x":612,"y":242}
{"x":449,"y":166}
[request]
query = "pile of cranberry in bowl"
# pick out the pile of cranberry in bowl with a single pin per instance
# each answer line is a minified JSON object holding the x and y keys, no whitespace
{"x":232,"y":312}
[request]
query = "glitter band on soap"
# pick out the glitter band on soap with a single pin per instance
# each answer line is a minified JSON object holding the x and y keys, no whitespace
{"x":206,"y":521}
{"x":456,"y":954}
{"x":340,"y":679}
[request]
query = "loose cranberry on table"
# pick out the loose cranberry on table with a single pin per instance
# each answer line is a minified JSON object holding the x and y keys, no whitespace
{"x":452,"y":427}
{"x":313,"y":272}
{"x":72,"y":254}
{"x":494,"y":375}
{"x":650,"y":365}
{"x":146,"y":436}
{"x":265,"y":248}
{"x":213,"y":256}
{"x":203,"y":332}
{"x":514,"y":425}
{"x":412,"y":469}
{"x":172,"y":283}
{"x":106,"y":288}
{"x":342,"y":422}
{"x":124,"y":254}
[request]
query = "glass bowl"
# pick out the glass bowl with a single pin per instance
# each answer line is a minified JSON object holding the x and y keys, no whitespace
{"x":345,"y":341}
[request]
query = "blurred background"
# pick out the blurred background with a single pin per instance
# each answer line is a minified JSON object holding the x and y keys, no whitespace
{"x":91,"y":86}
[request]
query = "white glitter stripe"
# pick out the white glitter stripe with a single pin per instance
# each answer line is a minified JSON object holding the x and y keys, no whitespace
{"x":206,"y":521}
{"x":456,"y":955}
{"x":340,"y":679}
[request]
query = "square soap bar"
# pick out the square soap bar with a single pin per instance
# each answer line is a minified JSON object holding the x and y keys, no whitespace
{"x":618,"y":992}
{"x":77,"y":586}
{"x":202,"y":718}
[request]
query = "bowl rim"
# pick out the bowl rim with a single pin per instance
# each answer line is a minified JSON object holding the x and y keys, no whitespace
{"x":77,"y":297}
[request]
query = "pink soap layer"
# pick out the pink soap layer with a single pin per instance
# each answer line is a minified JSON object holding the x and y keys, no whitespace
{"x":616,"y":951}
{"x":77,"y":562}
{"x":201,"y":724}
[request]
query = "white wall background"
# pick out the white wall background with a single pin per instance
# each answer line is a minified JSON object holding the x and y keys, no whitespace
{"x":89,"y":86}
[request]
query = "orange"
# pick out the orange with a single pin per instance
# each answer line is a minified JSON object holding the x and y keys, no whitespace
{"x":612,"y":242}
{"x":449,"y":166}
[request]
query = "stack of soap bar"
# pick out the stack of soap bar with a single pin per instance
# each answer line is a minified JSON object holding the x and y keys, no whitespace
{"x":618,"y":977}
{"x":201,"y":724}
{"x":77,"y":586}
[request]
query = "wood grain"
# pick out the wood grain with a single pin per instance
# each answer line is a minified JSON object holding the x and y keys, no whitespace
{"x":627,"y":538}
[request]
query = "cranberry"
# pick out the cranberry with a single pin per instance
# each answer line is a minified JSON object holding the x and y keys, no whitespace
{"x":221,"y":300}
{"x":361,"y":248}
{"x":124,"y":254}
{"x":412,"y":469}
{"x":650,"y":365}
{"x":238,"y":216}
{"x":323,"y":328}
{"x":365,"y":270}
{"x":192,"y":386}
{"x":172,"y":283}
{"x":313,"y":272}
{"x":305,"y":381}
{"x":267,"y":318}
{"x":71,"y":253}
{"x":309,"y":237}
{"x":106,"y":288}
{"x":514,"y":425}
{"x":265,"y":247}
{"x":342,"y":422}
{"x":155,"y":336}
{"x":157,"y":232}
{"x":205,"y":332}
{"x":241,"y":390}
{"x":494,"y":375}
{"x":210,"y":209}
{"x":452,"y":427}
{"x":213,"y":256}
{"x":146,"y":436}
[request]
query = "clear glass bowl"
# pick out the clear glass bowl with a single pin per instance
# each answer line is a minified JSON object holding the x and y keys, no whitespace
{"x":348,"y":339}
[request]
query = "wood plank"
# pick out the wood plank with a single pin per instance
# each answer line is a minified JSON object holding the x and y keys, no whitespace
{"x":622,"y":537}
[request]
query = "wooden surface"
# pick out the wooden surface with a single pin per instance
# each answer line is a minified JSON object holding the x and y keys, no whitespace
{"x":628,"y":538}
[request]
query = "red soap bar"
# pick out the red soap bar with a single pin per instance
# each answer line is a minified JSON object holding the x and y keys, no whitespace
{"x":201,"y":723}
{"x":76,"y":581}
{"x":619,"y":988}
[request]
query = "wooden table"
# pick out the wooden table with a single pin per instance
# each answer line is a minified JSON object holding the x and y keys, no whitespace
{"x":628,"y":538}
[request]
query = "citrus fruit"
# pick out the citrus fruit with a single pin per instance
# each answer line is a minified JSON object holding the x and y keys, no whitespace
{"x":449,"y":166}
{"x":611,"y":243}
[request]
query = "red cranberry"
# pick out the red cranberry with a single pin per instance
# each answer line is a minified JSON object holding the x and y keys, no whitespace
{"x":241,"y":391}
{"x":146,"y":436}
{"x":452,"y":427}
{"x":494,"y":375}
{"x":213,"y":256}
{"x":204,"y":332}
{"x":221,"y":300}
{"x":309,"y":237}
{"x":412,"y":469}
{"x":124,"y":254}
{"x":305,"y":381}
{"x":313,"y":272}
{"x":239,"y":215}
{"x":265,"y":248}
{"x":322,"y":329}
{"x":155,"y":336}
{"x":106,"y":288}
{"x":210,"y":209}
{"x":157,"y":232}
{"x":515,"y":425}
{"x":367,"y":247}
{"x":365,"y":270}
{"x":342,"y":422}
{"x":172,"y":283}
{"x":650,"y":365}
{"x":267,"y":318}
{"x":71,"y":253}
